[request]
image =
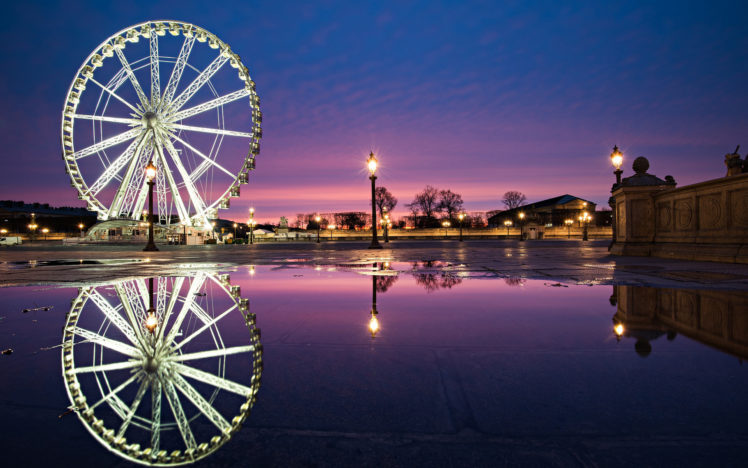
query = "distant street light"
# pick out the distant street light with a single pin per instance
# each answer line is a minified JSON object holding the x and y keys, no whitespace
{"x":331,"y":227}
{"x":32,"y":227}
{"x":150,"y":174}
{"x":446,"y":225}
{"x":568,"y":223}
{"x":461,"y":216}
{"x":318,"y":218}
{"x":371,"y":164}
{"x":45,"y":231}
{"x":235,"y":225}
{"x":251,"y":225}
{"x":507,"y":223}
{"x":81,"y":226}
{"x":385,"y":224}
{"x":585,"y":221}
{"x":521,"y":226}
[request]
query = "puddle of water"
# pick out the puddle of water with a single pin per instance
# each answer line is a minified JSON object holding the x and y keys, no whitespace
{"x":356,"y":362}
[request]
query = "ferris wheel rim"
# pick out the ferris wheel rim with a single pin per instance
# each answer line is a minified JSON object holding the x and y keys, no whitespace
{"x":118,"y":444}
{"x":151,"y":30}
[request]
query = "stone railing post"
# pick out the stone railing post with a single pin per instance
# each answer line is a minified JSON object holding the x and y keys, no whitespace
{"x":634,"y":210}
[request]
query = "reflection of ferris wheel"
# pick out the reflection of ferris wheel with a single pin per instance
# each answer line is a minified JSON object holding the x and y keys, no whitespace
{"x":159,"y":389}
{"x":160,"y":91}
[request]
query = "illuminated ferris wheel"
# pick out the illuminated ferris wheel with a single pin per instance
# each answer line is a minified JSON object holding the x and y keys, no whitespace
{"x":167,"y":380}
{"x":166,"y":92}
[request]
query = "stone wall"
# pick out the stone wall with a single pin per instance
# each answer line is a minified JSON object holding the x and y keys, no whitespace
{"x":705,"y":221}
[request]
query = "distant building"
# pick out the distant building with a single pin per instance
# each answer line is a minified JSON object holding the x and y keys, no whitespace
{"x":553,"y":211}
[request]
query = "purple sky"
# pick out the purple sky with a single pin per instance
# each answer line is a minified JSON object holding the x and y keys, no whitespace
{"x":477,"y":97}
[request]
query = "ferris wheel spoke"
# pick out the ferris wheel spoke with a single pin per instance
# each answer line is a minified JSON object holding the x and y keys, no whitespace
{"x":104,"y":144}
{"x":214,"y":131}
{"x":103,"y":118}
{"x":127,"y":306}
{"x":176,"y":287}
{"x":114,"y":95}
{"x":176,"y":197}
{"x":176,"y":408}
{"x":105,"y":342}
{"x":201,"y":404}
{"x":131,"y":76}
{"x":134,"y":195}
{"x":155,"y":79}
{"x":207,"y":159}
{"x":204,"y":327}
{"x":197,"y":284}
{"x":112,"y":394}
{"x":212,"y":104}
{"x":176,"y":73}
{"x":198,"y":83}
{"x":129,"y":364}
{"x":114,"y":316}
{"x":155,"y":415}
{"x":195,"y":198}
{"x":114,"y":168}
{"x":120,"y":195}
{"x":213,"y":353}
{"x":133,"y":408}
{"x":214,"y":380}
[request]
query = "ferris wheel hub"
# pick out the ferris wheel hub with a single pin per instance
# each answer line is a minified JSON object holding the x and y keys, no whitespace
{"x":150,"y":120}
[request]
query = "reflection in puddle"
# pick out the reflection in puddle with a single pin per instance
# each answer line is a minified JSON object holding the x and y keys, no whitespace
{"x":139,"y":371}
{"x":716,"y":318}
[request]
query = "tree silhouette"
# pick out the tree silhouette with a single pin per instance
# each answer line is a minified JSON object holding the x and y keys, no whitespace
{"x":384,"y":200}
{"x":450,"y":203}
{"x":513,"y":199}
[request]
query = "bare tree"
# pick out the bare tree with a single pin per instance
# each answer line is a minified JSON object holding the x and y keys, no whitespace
{"x":513,"y":199}
{"x":428,"y":202}
{"x":384,"y":200}
{"x":450,"y":202}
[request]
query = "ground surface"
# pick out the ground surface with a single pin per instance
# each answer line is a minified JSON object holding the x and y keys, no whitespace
{"x":559,"y":260}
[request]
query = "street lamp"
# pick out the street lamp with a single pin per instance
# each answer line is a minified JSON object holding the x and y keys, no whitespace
{"x":446,"y":225}
{"x":81,"y":226}
{"x":318,"y":218}
{"x":385,"y":223}
{"x":251,"y":225}
{"x":616,"y":157}
{"x":461,"y":216}
{"x":45,"y":231}
{"x":521,"y":226}
{"x":568,"y":223}
{"x":331,"y":227}
{"x":585,"y":220}
{"x":507,"y":223}
{"x":150,"y":174}
{"x":151,"y":321}
{"x":32,"y":227}
{"x":371,"y":164}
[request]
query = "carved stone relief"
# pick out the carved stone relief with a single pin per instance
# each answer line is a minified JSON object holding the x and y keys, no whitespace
{"x":710,"y":211}
{"x":664,"y":216}
{"x":684,"y":214}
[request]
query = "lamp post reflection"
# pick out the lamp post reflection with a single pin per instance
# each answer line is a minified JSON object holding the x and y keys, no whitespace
{"x":374,"y":321}
{"x":382,"y":278}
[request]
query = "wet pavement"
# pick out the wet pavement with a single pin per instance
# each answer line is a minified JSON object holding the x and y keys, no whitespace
{"x":572,"y":262}
{"x":423,"y":354}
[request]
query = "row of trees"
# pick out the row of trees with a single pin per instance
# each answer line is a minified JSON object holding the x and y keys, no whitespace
{"x":431,"y":204}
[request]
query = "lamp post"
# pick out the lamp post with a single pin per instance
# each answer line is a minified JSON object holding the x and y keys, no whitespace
{"x":45,"y":231}
{"x":184,"y":232}
{"x":80,"y":227}
{"x":150,"y":174}
{"x":385,"y":224}
{"x":235,"y":225}
{"x":507,"y":223}
{"x":318,"y":218}
{"x":616,"y":158}
{"x":568,"y":223}
{"x":521,"y":226}
{"x":32,"y":227}
{"x":251,"y":225}
{"x":151,"y":321}
{"x":374,"y":321}
{"x":585,"y":220}
{"x":461,"y":216}
{"x":331,"y":227}
{"x":446,"y":225}
{"x":371,"y":164}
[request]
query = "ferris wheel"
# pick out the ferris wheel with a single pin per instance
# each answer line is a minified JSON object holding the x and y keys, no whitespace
{"x":121,"y":348}
{"x":165,"y":92}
